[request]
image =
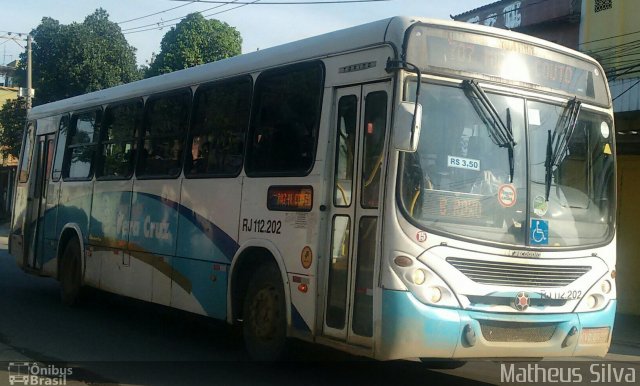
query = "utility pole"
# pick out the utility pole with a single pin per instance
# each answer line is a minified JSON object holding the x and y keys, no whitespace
{"x":29,"y":72}
{"x":26,"y":92}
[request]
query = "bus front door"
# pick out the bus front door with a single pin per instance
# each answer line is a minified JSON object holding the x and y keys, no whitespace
{"x":37,"y":201}
{"x":360,"y":123}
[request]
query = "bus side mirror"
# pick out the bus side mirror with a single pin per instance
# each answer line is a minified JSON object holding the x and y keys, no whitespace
{"x":406,"y":126}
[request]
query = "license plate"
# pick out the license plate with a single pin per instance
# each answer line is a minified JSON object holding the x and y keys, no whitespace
{"x":563,"y":295}
{"x":594,"y":335}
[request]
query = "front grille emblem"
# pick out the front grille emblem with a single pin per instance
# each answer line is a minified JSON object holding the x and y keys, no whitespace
{"x":522,"y":301}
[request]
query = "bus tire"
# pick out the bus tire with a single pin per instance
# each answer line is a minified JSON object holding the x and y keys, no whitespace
{"x":264,"y":326}
{"x":71,"y":274}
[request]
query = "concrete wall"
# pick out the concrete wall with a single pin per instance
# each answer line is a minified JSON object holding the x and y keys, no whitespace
{"x":628,"y":264}
{"x":556,"y":21}
{"x":7,"y":93}
{"x":609,"y":34}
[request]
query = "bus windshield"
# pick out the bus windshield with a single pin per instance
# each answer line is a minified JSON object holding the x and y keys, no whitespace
{"x":464,"y":181}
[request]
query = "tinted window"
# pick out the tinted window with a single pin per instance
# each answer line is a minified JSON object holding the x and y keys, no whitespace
{"x":375,"y":120}
{"x":84,"y":133}
{"x":219,"y":123}
{"x":285,"y":120}
{"x":166,"y":119}
{"x":118,"y":144}
{"x":25,"y":160}
{"x":345,"y":150}
{"x":61,"y":145}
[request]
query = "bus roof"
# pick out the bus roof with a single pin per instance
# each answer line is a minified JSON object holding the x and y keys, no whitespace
{"x":390,"y":31}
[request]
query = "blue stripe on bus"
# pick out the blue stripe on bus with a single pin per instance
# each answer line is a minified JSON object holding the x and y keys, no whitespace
{"x":297,"y":321}
{"x":219,"y":238}
{"x":207,"y":285}
{"x":227,"y":245}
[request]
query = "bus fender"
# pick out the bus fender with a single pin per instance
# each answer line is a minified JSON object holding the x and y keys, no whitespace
{"x":74,"y":228}
{"x":277,"y":257}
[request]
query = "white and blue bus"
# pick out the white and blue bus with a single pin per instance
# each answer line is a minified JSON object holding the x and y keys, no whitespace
{"x":406,"y":188}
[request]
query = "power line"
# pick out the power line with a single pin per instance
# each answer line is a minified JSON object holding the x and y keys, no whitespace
{"x":205,"y":16}
{"x":154,"y":14}
{"x":289,"y":2}
{"x":631,"y":44}
{"x":160,"y":25}
{"x":625,"y":91}
{"x":15,"y":33}
{"x":13,"y":39}
{"x":610,"y":37}
{"x":601,"y":51}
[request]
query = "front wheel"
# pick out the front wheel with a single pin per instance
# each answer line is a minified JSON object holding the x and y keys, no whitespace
{"x":70,"y":274}
{"x":265,"y":318}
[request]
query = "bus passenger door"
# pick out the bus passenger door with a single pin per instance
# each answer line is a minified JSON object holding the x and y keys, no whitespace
{"x":37,"y":198}
{"x":359,"y":146}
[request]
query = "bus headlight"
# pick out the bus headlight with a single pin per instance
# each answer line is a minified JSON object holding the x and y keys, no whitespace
{"x":419,"y":276}
{"x":606,"y":286}
{"x":425,"y":285}
{"x":592,"y":301}
{"x":434,"y":294}
{"x":598,"y":296}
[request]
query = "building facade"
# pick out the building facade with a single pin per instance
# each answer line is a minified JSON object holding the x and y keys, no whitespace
{"x":8,"y":164}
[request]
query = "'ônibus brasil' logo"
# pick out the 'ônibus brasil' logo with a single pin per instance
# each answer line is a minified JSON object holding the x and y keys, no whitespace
{"x":522,"y":301}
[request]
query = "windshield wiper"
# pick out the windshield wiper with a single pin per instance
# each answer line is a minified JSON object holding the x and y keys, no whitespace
{"x":501,"y":134}
{"x":558,"y":143}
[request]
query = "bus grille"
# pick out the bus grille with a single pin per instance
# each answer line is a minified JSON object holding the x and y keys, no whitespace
{"x":518,"y":275}
{"x":495,"y":331}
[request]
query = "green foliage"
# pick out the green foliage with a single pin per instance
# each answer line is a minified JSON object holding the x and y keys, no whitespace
{"x":74,"y":59}
{"x":13,"y":115}
{"x":193,"y":41}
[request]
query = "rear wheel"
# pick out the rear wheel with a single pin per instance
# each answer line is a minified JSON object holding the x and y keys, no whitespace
{"x":265,"y":319}
{"x":70,"y":274}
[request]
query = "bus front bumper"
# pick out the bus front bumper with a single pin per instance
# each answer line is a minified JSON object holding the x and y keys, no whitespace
{"x":412,"y":329}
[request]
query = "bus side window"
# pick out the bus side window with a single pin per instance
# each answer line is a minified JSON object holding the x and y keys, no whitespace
{"x":375,"y":120}
{"x":166,"y":118}
{"x":285,"y":120}
{"x":25,"y":159}
{"x":118,"y":143}
{"x":82,"y":144}
{"x":219,"y":124}
{"x":61,"y":145}
{"x":345,"y":150}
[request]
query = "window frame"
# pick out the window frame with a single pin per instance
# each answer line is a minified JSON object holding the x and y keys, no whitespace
{"x":191,"y":133}
{"x":142,"y":133}
{"x":134,"y":140}
{"x":257,"y":105}
{"x":58,"y":177}
{"x":24,"y":167}
{"x":73,"y":125}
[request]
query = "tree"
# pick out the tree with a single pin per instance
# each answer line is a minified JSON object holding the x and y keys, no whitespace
{"x":193,"y":41}
{"x":13,"y":116}
{"x":74,"y":59}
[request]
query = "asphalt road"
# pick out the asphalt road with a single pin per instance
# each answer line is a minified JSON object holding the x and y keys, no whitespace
{"x":116,"y":340}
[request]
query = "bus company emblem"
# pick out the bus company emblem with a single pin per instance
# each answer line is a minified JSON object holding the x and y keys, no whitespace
{"x":522,"y":301}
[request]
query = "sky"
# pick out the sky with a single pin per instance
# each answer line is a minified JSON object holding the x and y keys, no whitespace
{"x":261,"y":26}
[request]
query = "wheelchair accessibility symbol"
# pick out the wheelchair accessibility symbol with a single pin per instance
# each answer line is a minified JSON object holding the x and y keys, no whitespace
{"x":539,"y":232}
